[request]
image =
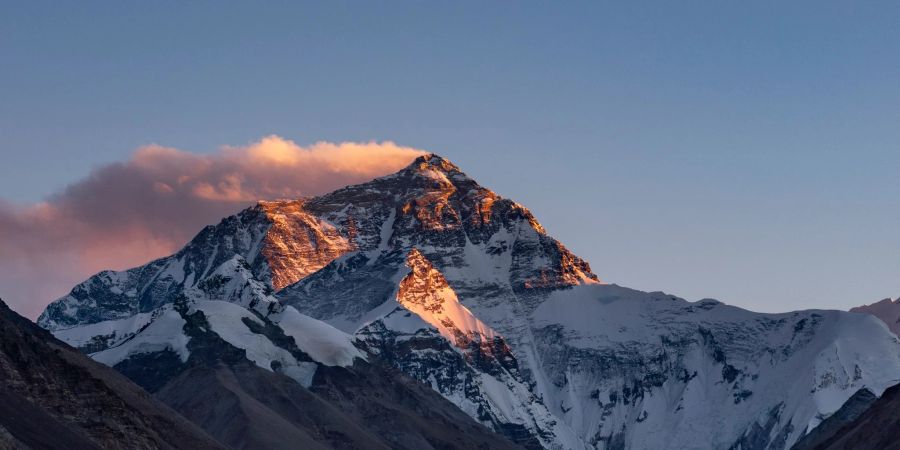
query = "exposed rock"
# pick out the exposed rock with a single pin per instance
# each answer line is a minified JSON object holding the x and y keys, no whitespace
{"x":362,"y":406}
{"x":876,"y":428}
{"x":52,"y":396}
{"x":831,"y":427}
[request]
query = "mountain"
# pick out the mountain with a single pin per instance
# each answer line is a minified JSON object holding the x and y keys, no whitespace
{"x":832,"y":427}
{"x":290,"y":400}
{"x":430,"y":274}
{"x":243,"y":377}
{"x":52,"y":396}
{"x":887,"y":310}
{"x":877,"y":428}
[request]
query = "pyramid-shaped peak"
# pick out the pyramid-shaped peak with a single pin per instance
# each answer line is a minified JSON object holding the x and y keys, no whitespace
{"x":432,"y":161}
{"x":434,"y":167}
{"x":426,"y":292}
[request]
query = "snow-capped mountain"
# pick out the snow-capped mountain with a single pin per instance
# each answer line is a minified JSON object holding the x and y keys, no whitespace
{"x":427,"y":271}
{"x":887,"y":310}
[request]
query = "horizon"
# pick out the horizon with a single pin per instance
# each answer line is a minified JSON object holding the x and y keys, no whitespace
{"x":748,"y":159}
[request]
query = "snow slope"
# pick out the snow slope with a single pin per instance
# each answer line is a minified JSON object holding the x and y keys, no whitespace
{"x":698,"y":375}
{"x":164,"y":332}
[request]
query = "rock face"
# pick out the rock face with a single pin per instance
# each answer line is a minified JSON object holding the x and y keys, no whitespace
{"x":887,"y":310}
{"x":429,"y":273}
{"x":832,"y":428}
{"x":298,"y":243}
{"x":255,"y":374}
{"x":876,"y":428}
{"x":426,"y":293}
{"x":52,"y":396}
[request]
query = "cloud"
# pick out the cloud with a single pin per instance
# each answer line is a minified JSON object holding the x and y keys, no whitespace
{"x":128,"y":213}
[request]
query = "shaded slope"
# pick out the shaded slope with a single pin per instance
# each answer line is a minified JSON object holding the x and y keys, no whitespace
{"x":830,"y":428}
{"x":406,"y":413}
{"x":52,"y":396}
{"x":877,"y":428}
{"x":245,"y":406}
{"x":27,"y":425}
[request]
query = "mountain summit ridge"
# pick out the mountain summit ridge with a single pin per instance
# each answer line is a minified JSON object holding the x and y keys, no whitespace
{"x":536,"y":347}
{"x":284,"y":241}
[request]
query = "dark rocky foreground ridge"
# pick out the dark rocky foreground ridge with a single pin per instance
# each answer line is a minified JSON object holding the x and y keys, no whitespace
{"x":832,"y":427}
{"x":876,"y":427}
{"x":428,"y":273}
{"x":54,"y":397}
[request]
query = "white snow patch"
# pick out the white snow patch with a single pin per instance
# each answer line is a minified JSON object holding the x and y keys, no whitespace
{"x":165,"y":332}
{"x":226,"y":320}
{"x":324,"y":343}
{"x":121,"y":328}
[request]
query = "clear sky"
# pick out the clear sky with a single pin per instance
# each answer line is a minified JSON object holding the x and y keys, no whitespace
{"x":746,"y":151}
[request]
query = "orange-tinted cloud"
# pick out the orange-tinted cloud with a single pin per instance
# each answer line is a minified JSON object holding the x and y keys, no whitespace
{"x":125,"y":214}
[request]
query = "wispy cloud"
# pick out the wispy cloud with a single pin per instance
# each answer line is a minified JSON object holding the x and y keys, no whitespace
{"x":125,"y":214}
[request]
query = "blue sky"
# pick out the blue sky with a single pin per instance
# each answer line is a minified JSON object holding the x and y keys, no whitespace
{"x":745,"y":151}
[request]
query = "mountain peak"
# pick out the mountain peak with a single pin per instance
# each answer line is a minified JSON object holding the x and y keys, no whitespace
{"x":450,"y":283}
{"x":439,"y":172}
{"x":433,"y":161}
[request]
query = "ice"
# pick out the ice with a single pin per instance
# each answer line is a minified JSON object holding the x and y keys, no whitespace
{"x":122,"y":328}
{"x":164,"y":333}
{"x":226,"y":320}
{"x":321,"y":341}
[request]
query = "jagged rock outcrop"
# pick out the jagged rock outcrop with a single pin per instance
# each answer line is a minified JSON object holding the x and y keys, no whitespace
{"x":430,"y":336}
